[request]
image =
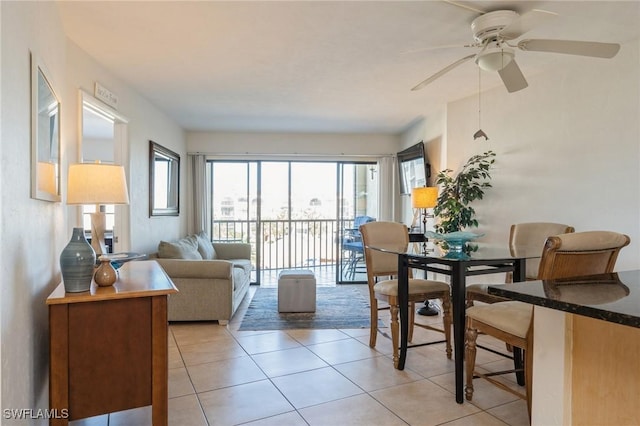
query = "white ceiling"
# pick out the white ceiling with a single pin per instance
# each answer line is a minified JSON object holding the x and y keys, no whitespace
{"x":313,"y":66}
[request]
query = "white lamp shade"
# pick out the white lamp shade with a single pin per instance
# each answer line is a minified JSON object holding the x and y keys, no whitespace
{"x":424,"y":197}
{"x":96,"y":183}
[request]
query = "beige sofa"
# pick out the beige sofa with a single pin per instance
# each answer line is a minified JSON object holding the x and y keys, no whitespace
{"x":212,"y":278}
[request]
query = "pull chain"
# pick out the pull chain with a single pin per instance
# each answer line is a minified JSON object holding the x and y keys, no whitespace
{"x":480,"y":133}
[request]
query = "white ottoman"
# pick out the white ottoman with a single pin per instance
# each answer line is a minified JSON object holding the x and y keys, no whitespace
{"x":296,"y":291}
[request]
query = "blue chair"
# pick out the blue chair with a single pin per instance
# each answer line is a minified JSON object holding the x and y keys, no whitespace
{"x":352,"y":245}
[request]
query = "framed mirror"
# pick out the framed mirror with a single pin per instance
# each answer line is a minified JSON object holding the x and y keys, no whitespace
{"x":104,"y":138}
{"x":45,"y":135}
{"x":413,"y":167}
{"x":164,"y":181}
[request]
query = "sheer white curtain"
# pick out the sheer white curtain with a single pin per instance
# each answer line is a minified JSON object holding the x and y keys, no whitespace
{"x":199,"y":217}
{"x":389,"y":195}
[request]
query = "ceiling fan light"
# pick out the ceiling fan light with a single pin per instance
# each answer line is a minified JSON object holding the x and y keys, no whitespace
{"x":495,"y":59}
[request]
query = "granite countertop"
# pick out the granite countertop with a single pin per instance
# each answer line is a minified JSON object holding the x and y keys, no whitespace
{"x":613,"y":297}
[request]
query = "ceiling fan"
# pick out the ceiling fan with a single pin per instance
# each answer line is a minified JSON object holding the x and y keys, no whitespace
{"x":494,"y":34}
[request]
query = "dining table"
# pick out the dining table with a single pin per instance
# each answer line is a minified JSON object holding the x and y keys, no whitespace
{"x":483,"y":259}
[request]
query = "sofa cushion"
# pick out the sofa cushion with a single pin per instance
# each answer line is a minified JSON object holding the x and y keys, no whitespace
{"x":198,"y":269}
{"x":185,"y":248}
{"x":241,"y":271}
{"x":242,"y":264}
{"x":205,"y":247}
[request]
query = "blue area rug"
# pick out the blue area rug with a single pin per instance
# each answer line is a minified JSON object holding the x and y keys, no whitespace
{"x":336,"y":307}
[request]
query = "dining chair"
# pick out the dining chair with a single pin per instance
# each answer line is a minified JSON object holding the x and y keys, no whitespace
{"x":527,"y":235}
{"x":382,"y":271}
{"x":352,"y":245}
{"x":563,"y":256}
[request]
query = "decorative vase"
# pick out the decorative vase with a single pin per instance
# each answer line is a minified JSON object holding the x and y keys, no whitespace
{"x":77,"y":261}
{"x":106,"y":274}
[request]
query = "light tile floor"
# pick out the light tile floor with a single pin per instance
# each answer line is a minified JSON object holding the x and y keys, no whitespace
{"x":221,"y":376}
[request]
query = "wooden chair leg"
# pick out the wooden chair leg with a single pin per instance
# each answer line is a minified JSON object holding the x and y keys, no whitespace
{"x":373,"y":329}
{"x":508,"y":279}
{"x":395,"y":331}
{"x":446,"y":322}
{"x":470,"y":359}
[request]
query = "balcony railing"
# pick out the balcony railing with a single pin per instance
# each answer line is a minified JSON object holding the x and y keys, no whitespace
{"x":283,"y":244}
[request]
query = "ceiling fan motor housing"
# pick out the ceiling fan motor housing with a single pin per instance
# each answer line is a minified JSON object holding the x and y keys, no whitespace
{"x":488,"y":26}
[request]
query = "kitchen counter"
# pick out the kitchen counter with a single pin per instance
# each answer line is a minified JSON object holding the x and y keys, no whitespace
{"x":611,"y":297}
{"x":586,"y":341}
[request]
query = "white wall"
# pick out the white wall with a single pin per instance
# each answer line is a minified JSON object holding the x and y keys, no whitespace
{"x":253,"y":144}
{"x":146,"y":123}
{"x":568,"y":149}
{"x":32,"y":232}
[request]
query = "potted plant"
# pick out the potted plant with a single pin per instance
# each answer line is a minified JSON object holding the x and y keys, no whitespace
{"x":453,"y":208}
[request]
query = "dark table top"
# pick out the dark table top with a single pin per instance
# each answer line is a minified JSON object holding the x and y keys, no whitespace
{"x":613,"y":297}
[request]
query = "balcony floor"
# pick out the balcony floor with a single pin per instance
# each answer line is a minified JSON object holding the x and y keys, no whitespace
{"x":325,"y":276}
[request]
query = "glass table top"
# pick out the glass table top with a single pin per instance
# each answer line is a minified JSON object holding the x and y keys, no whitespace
{"x":482,"y":252}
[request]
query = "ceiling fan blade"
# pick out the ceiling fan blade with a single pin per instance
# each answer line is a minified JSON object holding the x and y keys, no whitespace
{"x":526,"y":22}
{"x":465,"y":6}
{"x":571,"y":47}
{"x":442,"y":72}
{"x":512,"y":77}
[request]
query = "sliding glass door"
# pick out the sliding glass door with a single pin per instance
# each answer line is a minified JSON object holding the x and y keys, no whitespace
{"x":358,"y":204}
{"x":293,"y":213}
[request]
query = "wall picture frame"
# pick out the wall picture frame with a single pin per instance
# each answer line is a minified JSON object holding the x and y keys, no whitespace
{"x":45,"y":134}
{"x":164,"y":181}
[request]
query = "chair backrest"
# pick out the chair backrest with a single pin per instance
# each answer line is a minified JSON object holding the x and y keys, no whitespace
{"x":361,"y":220}
{"x":580,"y":253}
{"x":534,"y":234}
{"x":388,"y":235}
{"x":352,"y":235}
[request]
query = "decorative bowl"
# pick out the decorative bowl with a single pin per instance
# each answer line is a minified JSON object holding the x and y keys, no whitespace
{"x":456,"y":242}
{"x":119,"y":259}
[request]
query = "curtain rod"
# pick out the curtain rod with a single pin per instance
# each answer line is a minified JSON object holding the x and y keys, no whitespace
{"x":295,"y":154}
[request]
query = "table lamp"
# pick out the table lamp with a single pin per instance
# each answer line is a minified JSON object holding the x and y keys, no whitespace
{"x":99,"y":184}
{"x":424,"y":198}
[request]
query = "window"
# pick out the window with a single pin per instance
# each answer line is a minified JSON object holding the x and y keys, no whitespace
{"x":292,"y":212}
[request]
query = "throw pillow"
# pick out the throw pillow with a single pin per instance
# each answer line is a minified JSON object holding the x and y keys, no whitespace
{"x":205,"y":248}
{"x":185,"y":248}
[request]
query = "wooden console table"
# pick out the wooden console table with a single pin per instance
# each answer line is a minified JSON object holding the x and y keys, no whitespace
{"x":108,"y":346}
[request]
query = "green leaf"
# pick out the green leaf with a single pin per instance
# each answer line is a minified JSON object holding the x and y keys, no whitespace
{"x":453,"y":207}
